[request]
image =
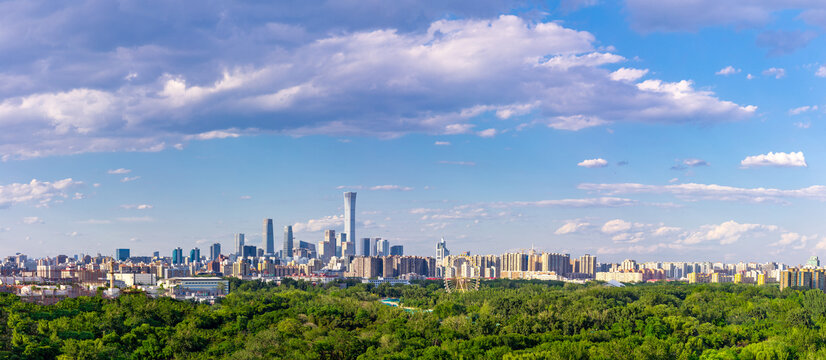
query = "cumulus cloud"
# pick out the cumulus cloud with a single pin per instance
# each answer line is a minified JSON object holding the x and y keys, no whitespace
{"x":795,"y":240}
{"x":728,"y":70}
{"x":571,"y":226}
{"x":130,"y":178}
{"x":39,"y":193}
{"x":778,"y":73}
{"x":442,"y":143}
{"x":33,"y":220}
{"x":435,"y":78}
{"x":325,"y":223}
{"x":693,"y":191}
{"x":802,"y":109}
{"x":593,"y":163}
{"x":728,"y":232}
{"x":615,"y":226}
{"x":779,"y":159}
{"x":628,"y":74}
{"x":120,"y":171}
{"x":487,"y":133}
{"x":137,"y":206}
{"x":821,"y":71}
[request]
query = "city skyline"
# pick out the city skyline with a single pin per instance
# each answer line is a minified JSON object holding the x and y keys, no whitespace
{"x":630,"y":129}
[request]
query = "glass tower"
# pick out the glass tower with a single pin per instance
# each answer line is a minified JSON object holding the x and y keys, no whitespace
{"x":350,"y":215}
{"x":269,"y":238}
{"x":288,"y":241}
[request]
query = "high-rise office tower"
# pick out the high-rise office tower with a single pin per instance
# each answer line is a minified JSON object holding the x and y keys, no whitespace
{"x":214,"y":251}
{"x":122,"y":254}
{"x":177,"y":256}
{"x":269,"y":237}
{"x":350,"y":215}
{"x":441,"y":251}
{"x":383,"y":247}
{"x":340,"y":240}
{"x":288,"y":241}
{"x":156,"y":254}
{"x":239,"y":244}
{"x":364,"y":247}
{"x":249,"y":251}
{"x":195,"y":255}
{"x":397,"y":250}
{"x":374,"y":247}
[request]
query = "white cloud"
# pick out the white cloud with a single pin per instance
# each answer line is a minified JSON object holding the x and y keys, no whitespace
{"x":214,"y":134}
{"x":728,"y":232}
{"x":778,"y":73}
{"x":570,"y":227}
{"x":438,"y":80}
{"x":575,"y":203}
{"x":120,"y":171}
{"x":130,"y":178}
{"x":391,"y":187}
{"x":33,"y":220}
{"x":628,"y":74}
{"x":136,"y":219}
{"x":574,"y":122}
{"x":350,"y":187}
{"x":693,"y":191}
{"x":442,"y":143}
{"x":314,"y":225}
{"x":728,"y":70}
{"x":137,"y":206}
{"x":95,"y":222}
{"x":41,"y":193}
{"x":749,"y":77}
{"x":802,"y":109}
{"x":245,"y":197}
{"x":795,"y":240}
{"x":487,"y":133}
{"x":461,"y":163}
{"x":615,"y":226}
{"x":780,"y":159}
{"x":665,"y":230}
{"x":593,"y":163}
{"x":821,"y":71}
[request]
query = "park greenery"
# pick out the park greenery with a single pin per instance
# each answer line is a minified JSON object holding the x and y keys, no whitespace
{"x":503,"y":320}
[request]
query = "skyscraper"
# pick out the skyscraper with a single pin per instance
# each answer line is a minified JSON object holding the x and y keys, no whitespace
{"x":364,"y":249}
{"x":350,"y":215}
{"x":288,"y":241}
{"x":340,"y":240}
{"x":122,"y":254}
{"x":239,"y":244}
{"x":269,"y":238}
{"x":195,"y":255}
{"x":397,"y":250}
{"x":214,"y":251}
{"x":177,"y":256}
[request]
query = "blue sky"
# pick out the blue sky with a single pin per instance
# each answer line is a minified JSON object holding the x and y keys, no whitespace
{"x":643,"y":129}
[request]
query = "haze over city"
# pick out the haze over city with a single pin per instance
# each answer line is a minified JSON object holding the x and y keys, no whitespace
{"x":653,"y":130}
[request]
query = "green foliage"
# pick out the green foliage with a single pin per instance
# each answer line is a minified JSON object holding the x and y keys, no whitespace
{"x":505,"y":319}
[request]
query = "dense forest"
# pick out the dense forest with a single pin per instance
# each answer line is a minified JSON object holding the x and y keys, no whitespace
{"x":504,"y":319}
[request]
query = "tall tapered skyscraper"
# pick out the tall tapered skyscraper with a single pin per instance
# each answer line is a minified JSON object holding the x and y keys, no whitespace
{"x":350,"y":215}
{"x":269,"y":238}
{"x":239,"y":244}
{"x":288,"y":241}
